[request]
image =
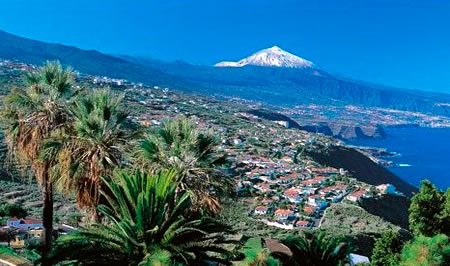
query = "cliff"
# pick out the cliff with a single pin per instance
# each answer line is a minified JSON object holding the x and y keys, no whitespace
{"x":361,"y":167}
{"x":347,"y":131}
{"x":334,"y":129}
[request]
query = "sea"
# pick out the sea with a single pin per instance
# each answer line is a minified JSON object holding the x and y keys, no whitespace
{"x":423,"y":153}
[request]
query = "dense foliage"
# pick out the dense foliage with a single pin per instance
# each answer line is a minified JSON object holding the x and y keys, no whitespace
{"x":429,"y":211}
{"x":144,"y":226}
{"x":427,"y":251}
{"x":387,"y":249}
{"x":12,"y":210}
{"x":316,"y":249}
{"x":90,"y":147}
{"x":178,"y":144}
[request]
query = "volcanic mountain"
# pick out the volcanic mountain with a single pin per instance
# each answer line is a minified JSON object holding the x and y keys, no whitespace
{"x":270,"y":57}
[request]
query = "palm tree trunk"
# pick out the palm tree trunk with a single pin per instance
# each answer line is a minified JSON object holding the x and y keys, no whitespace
{"x":47,"y":193}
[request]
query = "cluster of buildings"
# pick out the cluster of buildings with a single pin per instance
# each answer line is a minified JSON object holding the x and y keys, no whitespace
{"x":288,"y":189}
{"x":19,"y":231}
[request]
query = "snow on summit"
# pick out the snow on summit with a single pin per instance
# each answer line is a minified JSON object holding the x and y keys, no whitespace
{"x":270,"y":57}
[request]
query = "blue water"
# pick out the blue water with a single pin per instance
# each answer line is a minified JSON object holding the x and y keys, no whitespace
{"x":425,"y":153}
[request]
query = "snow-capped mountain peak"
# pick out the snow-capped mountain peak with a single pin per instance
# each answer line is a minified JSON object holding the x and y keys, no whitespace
{"x":270,"y":57}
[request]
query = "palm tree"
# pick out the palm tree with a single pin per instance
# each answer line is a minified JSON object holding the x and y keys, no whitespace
{"x":93,"y":147}
{"x":32,"y":115}
{"x":178,"y":144}
{"x":144,"y":225}
{"x":315,"y":249}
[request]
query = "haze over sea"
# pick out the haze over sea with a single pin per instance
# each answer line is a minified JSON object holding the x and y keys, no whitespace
{"x":424,"y":153}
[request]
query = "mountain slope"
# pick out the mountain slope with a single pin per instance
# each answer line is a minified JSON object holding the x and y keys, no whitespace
{"x":361,"y":167}
{"x":294,"y":86}
{"x":87,"y":61}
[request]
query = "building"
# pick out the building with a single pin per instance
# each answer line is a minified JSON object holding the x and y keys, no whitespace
{"x":310,"y":209}
{"x":355,"y":196}
{"x":261,"y":210}
{"x":35,"y":233}
{"x":387,"y":189}
{"x":283,"y":214}
{"x":24,"y":224}
{"x":292,"y":195}
{"x":303,"y":223}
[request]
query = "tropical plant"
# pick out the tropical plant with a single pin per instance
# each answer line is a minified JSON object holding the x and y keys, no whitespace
{"x":144,"y":225}
{"x":178,"y":144}
{"x":425,"y":210}
{"x":387,"y":249}
{"x":32,"y":115}
{"x":93,"y":147}
{"x":315,"y":249}
{"x":427,"y":251}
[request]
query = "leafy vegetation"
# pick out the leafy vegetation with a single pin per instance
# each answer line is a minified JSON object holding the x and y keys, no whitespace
{"x":429,"y":211}
{"x":12,"y":210}
{"x":387,"y":249}
{"x":427,"y":251}
{"x":145,"y":226}
{"x":316,"y":249}
{"x":91,"y":147}
{"x":178,"y":144}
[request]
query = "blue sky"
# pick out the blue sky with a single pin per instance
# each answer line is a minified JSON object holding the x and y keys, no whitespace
{"x":393,"y":42}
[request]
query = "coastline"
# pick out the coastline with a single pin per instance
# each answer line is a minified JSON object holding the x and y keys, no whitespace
{"x":416,"y":153}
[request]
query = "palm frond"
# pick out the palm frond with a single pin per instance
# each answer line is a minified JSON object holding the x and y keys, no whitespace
{"x":145,"y":224}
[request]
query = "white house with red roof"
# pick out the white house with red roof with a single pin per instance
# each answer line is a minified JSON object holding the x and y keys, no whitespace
{"x":283,"y":214}
{"x":303,"y":223}
{"x":355,"y":196}
{"x":261,"y":210}
{"x":293,"y":195}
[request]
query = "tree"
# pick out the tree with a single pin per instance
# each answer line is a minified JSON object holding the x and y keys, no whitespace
{"x":13,"y":210}
{"x":444,"y":216}
{"x":427,"y":251}
{"x":144,"y":225}
{"x":315,"y":249}
{"x":7,"y":235}
{"x":32,"y":115}
{"x":425,"y":209}
{"x":92,"y":148}
{"x":177,"y":143}
{"x":387,"y":249}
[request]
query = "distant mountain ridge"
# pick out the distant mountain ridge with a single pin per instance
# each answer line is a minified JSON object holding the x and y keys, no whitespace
{"x":92,"y":62}
{"x":271,"y":75}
